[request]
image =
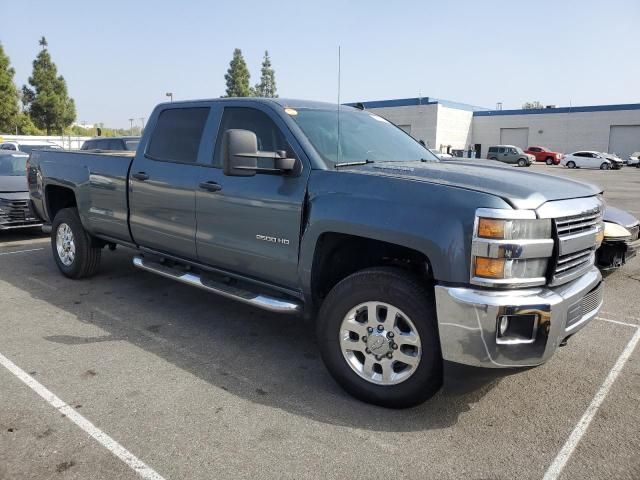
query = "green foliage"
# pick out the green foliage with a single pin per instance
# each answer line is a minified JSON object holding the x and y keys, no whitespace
{"x":532,"y":105}
{"x":48,"y":103}
{"x":267,"y":85}
{"x":237,"y":76}
{"x":26,"y":126}
{"x":8,"y":95}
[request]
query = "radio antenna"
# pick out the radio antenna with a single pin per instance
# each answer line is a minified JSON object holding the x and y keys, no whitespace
{"x":338,"y":145}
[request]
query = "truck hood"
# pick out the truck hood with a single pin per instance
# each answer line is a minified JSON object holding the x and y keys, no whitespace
{"x":519,"y":186}
{"x":15,"y":183}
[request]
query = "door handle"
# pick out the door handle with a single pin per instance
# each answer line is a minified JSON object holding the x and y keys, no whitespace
{"x":140,"y":176}
{"x":211,"y":186}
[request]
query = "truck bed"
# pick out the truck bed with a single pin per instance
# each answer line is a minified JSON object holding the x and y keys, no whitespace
{"x":98,"y":180}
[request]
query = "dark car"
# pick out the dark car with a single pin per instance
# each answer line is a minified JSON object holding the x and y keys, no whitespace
{"x":15,"y":210}
{"x":116,"y":144}
{"x":621,"y":239}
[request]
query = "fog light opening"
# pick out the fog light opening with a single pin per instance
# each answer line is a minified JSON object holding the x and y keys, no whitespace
{"x":503,"y":325}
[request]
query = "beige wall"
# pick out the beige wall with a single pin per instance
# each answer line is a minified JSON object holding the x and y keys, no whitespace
{"x":421,"y":118}
{"x":454,"y":128}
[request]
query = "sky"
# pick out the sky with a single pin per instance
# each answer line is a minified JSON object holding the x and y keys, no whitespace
{"x":120,"y":58}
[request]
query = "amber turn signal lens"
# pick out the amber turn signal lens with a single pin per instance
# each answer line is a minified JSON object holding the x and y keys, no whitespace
{"x":490,"y":228}
{"x":489,"y":267}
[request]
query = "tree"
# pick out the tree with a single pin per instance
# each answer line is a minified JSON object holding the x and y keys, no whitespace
{"x":48,"y":103}
{"x":532,"y":105}
{"x":9,"y":109}
{"x":237,"y":76}
{"x":267,"y":85}
{"x":26,"y":126}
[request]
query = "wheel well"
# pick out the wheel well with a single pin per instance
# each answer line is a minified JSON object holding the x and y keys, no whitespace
{"x":339,"y":255}
{"x":59,"y":198}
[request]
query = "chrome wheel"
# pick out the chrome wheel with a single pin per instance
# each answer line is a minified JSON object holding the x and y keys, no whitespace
{"x":380,"y":343}
{"x":65,"y":244}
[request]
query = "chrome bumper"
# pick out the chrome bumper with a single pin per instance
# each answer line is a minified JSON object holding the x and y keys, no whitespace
{"x":468,"y":318}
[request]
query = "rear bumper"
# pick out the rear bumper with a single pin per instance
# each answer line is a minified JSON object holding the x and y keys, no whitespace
{"x":468,"y":321}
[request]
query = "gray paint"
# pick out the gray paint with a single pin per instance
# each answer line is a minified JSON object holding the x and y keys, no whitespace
{"x":429,"y":207}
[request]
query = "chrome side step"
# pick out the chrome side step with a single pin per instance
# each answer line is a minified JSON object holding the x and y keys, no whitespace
{"x":265,"y":302}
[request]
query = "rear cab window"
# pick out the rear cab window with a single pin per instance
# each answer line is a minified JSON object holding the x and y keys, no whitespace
{"x":177,"y":135}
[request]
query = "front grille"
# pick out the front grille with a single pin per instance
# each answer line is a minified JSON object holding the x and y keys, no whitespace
{"x":576,"y":236}
{"x":16,"y":212}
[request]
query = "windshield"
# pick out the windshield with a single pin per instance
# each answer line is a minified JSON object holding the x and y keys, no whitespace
{"x":13,"y":166}
{"x":364,"y":136}
{"x":30,"y":148}
{"x":518,"y":150}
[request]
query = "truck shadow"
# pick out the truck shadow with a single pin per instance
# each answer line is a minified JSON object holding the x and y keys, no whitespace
{"x":261,"y":357}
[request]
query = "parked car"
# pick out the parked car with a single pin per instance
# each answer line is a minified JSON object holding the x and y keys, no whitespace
{"x":401,"y":261}
{"x":543,"y":154}
{"x":616,"y":162}
{"x":589,"y":159}
{"x":510,"y":154}
{"x":440,"y":155}
{"x":15,"y":210}
{"x":27,"y":146}
{"x":621,"y":239}
{"x":634,"y":160}
{"x":106,"y":144}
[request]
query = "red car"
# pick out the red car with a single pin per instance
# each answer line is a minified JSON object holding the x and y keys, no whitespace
{"x":543,"y":154}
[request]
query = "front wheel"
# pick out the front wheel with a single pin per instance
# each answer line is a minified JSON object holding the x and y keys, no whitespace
{"x":571,"y":164}
{"x":604,"y":166}
{"x":549,"y":161}
{"x":72,"y":246}
{"x":378,"y":338}
{"x":522,"y":162}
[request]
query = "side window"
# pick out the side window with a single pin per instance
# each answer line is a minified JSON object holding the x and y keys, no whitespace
{"x":580,"y":154}
{"x":114,"y":145}
{"x":501,"y":150}
{"x":270,"y":138}
{"x":493,"y":149}
{"x":177,"y":135}
{"x":89,"y":145}
{"x":534,"y":149}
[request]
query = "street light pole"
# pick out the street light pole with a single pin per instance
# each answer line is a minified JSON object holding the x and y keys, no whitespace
{"x":131,"y":126}
{"x":170,"y":95}
{"x":142,"y":122}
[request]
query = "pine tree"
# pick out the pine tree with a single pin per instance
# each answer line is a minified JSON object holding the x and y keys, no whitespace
{"x":238,"y":76}
{"x":267,"y":85}
{"x":9,"y":109}
{"x":48,"y":103}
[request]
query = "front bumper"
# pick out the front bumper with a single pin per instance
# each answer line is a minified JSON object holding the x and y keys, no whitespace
{"x":468,"y":320}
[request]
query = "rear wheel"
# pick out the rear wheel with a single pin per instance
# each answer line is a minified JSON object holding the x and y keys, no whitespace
{"x":549,"y":161}
{"x":72,"y":247}
{"x":605,"y":166}
{"x":571,"y":164}
{"x":522,"y":162}
{"x":378,"y":337}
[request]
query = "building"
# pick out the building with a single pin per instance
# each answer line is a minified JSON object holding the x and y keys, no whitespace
{"x":450,"y":126}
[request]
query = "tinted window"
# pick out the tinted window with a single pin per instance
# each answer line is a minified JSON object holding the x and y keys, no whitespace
{"x":493,"y":149}
{"x":534,"y":149}
{"x":177,"y":135}
{"x":270,"y":138}
{"x":501,"y":150}
{"x":88,"y":145}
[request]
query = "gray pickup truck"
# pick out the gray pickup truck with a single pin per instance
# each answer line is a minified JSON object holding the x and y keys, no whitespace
{"x":333,"y":213}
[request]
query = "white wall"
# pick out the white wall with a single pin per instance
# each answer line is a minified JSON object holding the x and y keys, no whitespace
{"x":71,"y":142}
{"x":421,"y":118}
{"x":454,"y":128}
{"x":563,"y":132}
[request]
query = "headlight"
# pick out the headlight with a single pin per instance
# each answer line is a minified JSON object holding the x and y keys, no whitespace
{"x":511,"y":248}
{"x":613,"y":230}
{"x":519,"y":229}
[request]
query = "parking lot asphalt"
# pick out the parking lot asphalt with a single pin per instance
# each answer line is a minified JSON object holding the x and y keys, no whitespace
{"x":194,"y":386}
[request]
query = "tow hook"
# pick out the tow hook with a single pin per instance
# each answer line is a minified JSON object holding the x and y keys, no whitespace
{"x":565,"y":341}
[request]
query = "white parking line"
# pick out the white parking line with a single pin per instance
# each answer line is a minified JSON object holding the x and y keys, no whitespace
{"x":626,"y":324}
{"x":22,"y":251}
{"x":102,"y":438}
{"x":572,"y":442}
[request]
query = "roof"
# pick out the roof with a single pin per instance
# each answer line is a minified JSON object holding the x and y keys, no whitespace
{"x":282,"y":102}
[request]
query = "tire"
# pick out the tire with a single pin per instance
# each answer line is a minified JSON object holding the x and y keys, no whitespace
{"x":72,"y":247}
{"x":549,"y":161}
{"x":571,"y":164}
{"x":493,"y":158}
{"x":522,"y":162}
{"x":391,"y":287}
{"x":605,"y":166}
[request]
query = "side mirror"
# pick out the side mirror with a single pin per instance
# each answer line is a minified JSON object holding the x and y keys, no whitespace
{"x":237,"y":148}
{"x":240,"y":155}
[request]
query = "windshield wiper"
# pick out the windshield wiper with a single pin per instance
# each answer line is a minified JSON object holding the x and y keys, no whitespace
{"x":349,"y":164}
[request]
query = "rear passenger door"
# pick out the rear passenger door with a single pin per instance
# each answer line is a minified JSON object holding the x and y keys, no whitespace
{"x":163,"y":182}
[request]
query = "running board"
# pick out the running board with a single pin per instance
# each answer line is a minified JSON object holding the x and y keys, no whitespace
{"x":265,"y":302}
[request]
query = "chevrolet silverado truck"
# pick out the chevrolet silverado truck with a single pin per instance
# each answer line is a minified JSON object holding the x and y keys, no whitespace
{"x":335,"y":214}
